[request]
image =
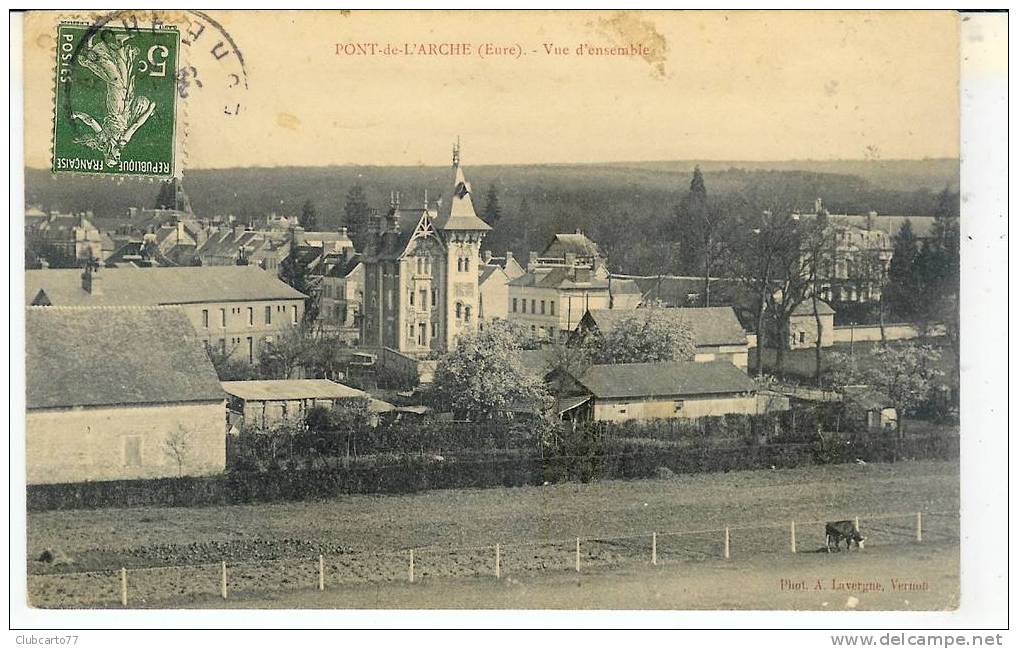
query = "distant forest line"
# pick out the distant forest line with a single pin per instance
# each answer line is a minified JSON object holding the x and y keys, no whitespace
{"x":628,"y":207}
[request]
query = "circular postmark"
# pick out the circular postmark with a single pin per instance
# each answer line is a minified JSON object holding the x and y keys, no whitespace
{"x":122,"y":79}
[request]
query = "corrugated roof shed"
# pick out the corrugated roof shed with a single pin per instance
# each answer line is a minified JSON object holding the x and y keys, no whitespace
{"x":155,"y":286}
{"x":676,"y":379}
{"x":115,"y":356}
{"x":711,"y":326}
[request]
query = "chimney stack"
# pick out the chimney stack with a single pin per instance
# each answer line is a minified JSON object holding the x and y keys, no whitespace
{"x":374,"y":221}
{"x":487,"y":256}
{"x":90,"y":279}
{"x":532,"y":261}
{"x":508,"y":257}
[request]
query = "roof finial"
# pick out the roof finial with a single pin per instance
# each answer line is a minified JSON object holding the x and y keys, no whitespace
{"x":456,"y":153}
{"x":425,"y":198}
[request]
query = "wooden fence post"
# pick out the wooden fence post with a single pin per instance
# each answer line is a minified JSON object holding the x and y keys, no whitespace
{"x":411,"y":566}
{"x":577,"y":554}
{"x":794,"y":546}
{"x":498,"y":561}
{"x":321,"y":572}
{"x":919,"y":527}
{"x":653,"y":549}
{"x":728,"y":548}
{"x":123,"y":586}
{"x":222,"y":584}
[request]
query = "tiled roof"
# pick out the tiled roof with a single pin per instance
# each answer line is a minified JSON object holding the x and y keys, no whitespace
{"x":537,"y":361}
{"x":685,"y":378}
{"x":806,"y":308}
{"x":560,"y":277}
{"x":342,"y":267}
{"x":509,"y":264}
{"x":225,"y":243}
{"x":716,"y":325}
{"x":578,"y":244}
{"x":153,"y":286}
{"x":922,"y":226}
{"x":291,"y":389}
{"x":115,"y":356}
{"x":132,"y":254}
{"x":457,"y":209}
{"x":485,"y":271}
{"x":676,"y":291}
{"x":392,"y":245}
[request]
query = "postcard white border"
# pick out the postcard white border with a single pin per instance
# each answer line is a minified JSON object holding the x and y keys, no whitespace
{"x":984,"y":434}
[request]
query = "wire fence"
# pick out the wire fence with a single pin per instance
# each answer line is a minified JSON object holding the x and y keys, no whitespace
{"x":147,"y":586}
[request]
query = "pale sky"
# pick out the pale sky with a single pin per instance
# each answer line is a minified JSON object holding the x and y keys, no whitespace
{"x":723,"y":86}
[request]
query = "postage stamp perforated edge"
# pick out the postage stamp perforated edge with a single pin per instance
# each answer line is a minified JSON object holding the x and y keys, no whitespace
{"x":116,"y":21}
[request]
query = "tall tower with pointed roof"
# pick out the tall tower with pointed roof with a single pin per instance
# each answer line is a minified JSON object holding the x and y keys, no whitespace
{"x":462,"y":230}
{"x":422,"y":271}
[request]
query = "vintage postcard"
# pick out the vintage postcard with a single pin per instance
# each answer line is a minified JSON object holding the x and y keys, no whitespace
{"x":458,"y":310}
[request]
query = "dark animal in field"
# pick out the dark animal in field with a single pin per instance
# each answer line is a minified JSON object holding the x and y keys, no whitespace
{"x":838,"y":530}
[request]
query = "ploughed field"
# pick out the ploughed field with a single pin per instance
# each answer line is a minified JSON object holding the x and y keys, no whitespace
{"x":173,"y":555}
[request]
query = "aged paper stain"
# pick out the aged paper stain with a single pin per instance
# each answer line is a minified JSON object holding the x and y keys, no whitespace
{"x":627,"y":27}
{"x":286,"y":120}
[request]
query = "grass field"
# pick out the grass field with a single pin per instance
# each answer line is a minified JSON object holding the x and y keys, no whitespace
{"x":365,"y":538}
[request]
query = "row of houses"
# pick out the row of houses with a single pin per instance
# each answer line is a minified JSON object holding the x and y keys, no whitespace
{"x":121,"y":383}
{"x":234,"y":309}
{"x":422,"y":276}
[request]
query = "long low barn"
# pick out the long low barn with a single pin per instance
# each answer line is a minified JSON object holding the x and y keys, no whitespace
{"x":117,"y":393}
{"x":684,"y":389}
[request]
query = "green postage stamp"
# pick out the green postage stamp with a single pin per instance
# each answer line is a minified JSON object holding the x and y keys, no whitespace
{"x":115,"y":106}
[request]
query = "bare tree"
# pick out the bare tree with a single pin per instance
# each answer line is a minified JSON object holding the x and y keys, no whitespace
{"x":818,"y":249}
{"x":762,"y":250}
{"x":178,"y":446}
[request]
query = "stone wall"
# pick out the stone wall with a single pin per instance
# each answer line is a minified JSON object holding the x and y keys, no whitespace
{"x":124,"y":442}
